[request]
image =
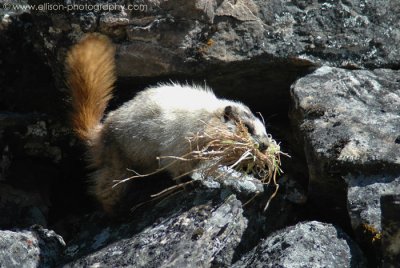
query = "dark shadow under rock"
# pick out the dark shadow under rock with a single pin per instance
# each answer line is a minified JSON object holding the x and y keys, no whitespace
{"x":21,"y":209}
{"x":390,"y":206}
{"x":42,"y":165}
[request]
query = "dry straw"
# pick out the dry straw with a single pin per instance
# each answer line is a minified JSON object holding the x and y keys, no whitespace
{"x":222,"y":147}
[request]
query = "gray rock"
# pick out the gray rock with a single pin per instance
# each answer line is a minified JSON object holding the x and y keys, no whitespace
{"x":201,"y":230}
{"x":349,"y":124}
{"x":351,"y":116}
{"x":364,"y":194}
{"x":36,"y":247}
{"x":307,"y":244}
{"x":202,"y":227}
{"x":242,"y":185}
{"x":166,"y":36}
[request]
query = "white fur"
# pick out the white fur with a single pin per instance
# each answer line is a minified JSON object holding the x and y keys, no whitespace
{"x":156,"y":123}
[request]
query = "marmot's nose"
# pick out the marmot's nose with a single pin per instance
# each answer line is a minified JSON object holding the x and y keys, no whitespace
{"x":262,"y":146}
{"x":262,"y":143}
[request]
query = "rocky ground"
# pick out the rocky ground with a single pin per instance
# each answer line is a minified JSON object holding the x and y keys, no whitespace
{"x":324,"y":74}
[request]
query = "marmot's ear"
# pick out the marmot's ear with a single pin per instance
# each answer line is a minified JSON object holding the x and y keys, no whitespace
{"x":230,"y":113}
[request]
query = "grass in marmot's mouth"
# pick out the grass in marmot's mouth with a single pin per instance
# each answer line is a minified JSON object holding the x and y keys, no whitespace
{"x":239,"y":151}
{"x":236,"y":150}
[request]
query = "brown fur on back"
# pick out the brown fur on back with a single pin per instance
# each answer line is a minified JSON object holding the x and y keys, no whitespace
{"x":90,"y":75}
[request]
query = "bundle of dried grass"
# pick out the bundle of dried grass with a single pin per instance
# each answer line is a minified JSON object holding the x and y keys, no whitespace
{"x":236,"y":150}
{"x":239,"y":151}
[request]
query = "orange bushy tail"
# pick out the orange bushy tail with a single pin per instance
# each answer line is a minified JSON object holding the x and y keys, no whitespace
{"x":90,"y":75}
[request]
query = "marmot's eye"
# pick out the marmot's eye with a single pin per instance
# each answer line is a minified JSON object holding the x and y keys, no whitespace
{"x":250,"y":129}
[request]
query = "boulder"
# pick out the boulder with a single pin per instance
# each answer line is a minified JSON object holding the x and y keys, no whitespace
{"x":348,"y":123}
{"x":35,"y":247}
{"x":307,"y":244}
{"x":161,"y":37}
{"x":195,"y":228}
{"x":207,"y":226}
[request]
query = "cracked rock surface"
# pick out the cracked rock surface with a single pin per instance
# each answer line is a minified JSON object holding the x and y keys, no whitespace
{"x":307,"y":244}
{"x":349,"y":124}
{"x":36,"y":247}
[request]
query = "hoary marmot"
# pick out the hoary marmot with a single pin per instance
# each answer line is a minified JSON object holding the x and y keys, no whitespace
{"x":155,"y":123}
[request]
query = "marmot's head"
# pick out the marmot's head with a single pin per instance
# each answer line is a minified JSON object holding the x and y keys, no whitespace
{"x":237,"y":111}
